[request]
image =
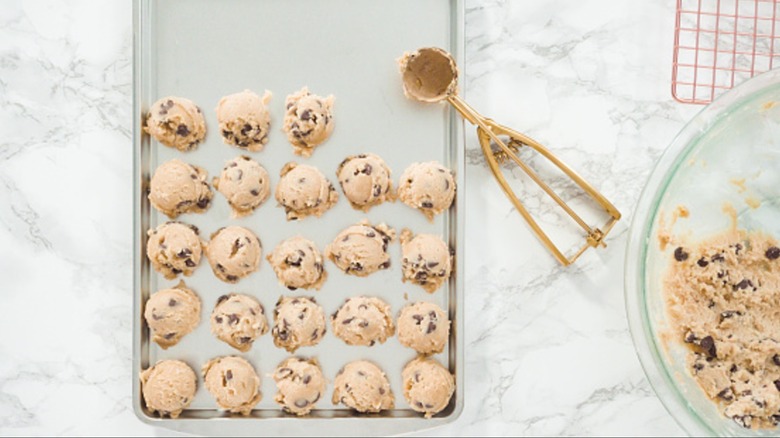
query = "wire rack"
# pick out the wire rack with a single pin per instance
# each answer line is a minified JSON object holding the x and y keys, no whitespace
{"x":720,"y":43}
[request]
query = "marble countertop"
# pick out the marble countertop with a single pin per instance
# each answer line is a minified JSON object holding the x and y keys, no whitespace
{"x":548,"y":351}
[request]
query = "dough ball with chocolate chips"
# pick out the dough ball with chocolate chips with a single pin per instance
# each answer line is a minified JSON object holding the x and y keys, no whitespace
{"x":361,"y":249}
{"x":168,"y":387}
{"x":234,"y":384}
{"x":425,"y":260}
{"x":363,"y":386}
{"x":174,"y":248}
{"x":298,"y":322}
{"x":233,"y":252}
{"x":423,"y":327}
{"x":177,"y":188}
{"x":363,"y":321}
{"x":171,"y":314}
{"x":238,"y":320}
{"x":365,"y":180}
{"x":176,"y":122}
{"x":428,"y":386}
{"x":298,"y":264}
{"x":308,"y":121}
{"x":300,"y":383}
{"x":244,"y":119}
{"x":428,"y":187}
{"x":244,"y":183}
{"x":304,"y":191}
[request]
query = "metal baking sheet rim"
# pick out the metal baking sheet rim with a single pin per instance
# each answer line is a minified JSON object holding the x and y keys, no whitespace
{"x":355,"y":425}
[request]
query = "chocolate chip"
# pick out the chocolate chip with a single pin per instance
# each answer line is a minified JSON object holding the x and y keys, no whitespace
{"x":417,"y":376}
{"x":169,"y":336}
{"x":418,"y":404}
{"x":776,"y":359}
{"x":690,"y":337}
{"x":718,"y":258}
{"x":773,"y":253}
{"x":432,"y":315}
{"x":182,"y":130}
{"x":708,"y":345}
{"x":282,"y":334}
{"x":703,"y":263}
{"x":743,"y":420}
{"x":233,"y":319}
{"x":728,"y":314}
{"x":367,"y":169}
{"x":245,"y":129}
{"x":284,"y":372}
{"x":777,"y":384}
{"x":221,"y":299}
{"x":744,"y":284}
{"x":227,"y":134}
{"x":203,"y":202}
{"x":184,"y":253}
{"x":381,"y":391}
{"x":355,"y":266}
{"x":189,"y":263}
{"x":363,"y":324}
{"x":301,"y":315}
{"x":296,"y":301}
{"x":228,"y":375}
{"x":698,"y":366}
{"x":426,"y":204}
{"x":418,"y":319}
{"x":306,"y":115}
{"x":314,"y":334}
{"x":306,"y":379}
{"x":172,"y":302}
{"x":433,"y":264}
{"x":156,"y":317}
{"x":361,"y":374}
{"x":176,"y":271}
{"x":218,"y":319}
{"x":244,"y":340}
{"x":737,"y":248}
{"x":680,"y":255}
{"x":726,"y":394}
{"x":347,"y":321}
{"x":385,"y":265}
{"x":431,"y":328}
{"x":370,"y":233}
{"x":301,"y":403}
{"x":231,"y":278}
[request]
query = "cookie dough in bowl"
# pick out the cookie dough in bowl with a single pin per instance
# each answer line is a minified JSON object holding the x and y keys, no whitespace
{"x":298,"y":264}
{"x":304,"y":191}
{"x":361,"y":249}
{"x":244,"y":120}
{"x":171,"y":314}
{"x":233,"y":252}
{"x":238,"y":320}
{"x":177,"y":187}
{"x":424,"y":327}
{"x":426,"y":260}
{"x":174,"y":248}
{"x":363,"y":321}
{"x":298,"y":322}
{"x":176,"y":122}
{"x":234,"y":384}
{"x":308,"y":121}
{"x":428,"y":187}
{"x":365,"y":180}
{"x":300,"y":385}
{"x":244,"y":183}
{"x":428,"y":386}
{"x":363,"y":386}
{"x":168,"y":387}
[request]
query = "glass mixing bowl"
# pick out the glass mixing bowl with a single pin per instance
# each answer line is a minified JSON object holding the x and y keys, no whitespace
{"x":729,"y":153}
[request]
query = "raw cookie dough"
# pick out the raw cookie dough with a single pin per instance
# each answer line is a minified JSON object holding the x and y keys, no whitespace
{"x":174,"y":248}
{"x":363,"y":386}
{"x":178,"y":187}
{"x":238,"y":320}
{"x":298,"y":264}
{"x":303,"y":191}
{"x":425,"y":260}
{"x":300,"y":383}
{"x":244,"y":119}
{"x":171,"y":314}
{"x":363,"y":321}
{"x":298,"y":322}
{"x":365,"y":180}
{"x":244,"y":183}
{"x":308,"y":121}
{"x":233,"y":252}
{"x":361,"y":249}
{"x":176,"y":122}
{"x":234,"y":383}
{"x":428,"y":187}
{"x":722,"y":297}
{"x":423,"y":327}
{"x":168,"y":387}
{"x":428,"y":386}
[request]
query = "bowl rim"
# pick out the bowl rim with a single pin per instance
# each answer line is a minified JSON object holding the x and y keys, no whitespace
{"x":639,"y":238}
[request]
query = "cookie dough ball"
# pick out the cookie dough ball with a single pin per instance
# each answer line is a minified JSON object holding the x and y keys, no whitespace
{"x":244,"y":183}
{"x":365,"y":180}
{"x":298,"y":322}
{"x":298,"y":264}
{"x":364,"y":387}
{"x":238,"y":320}
{"x":304,"y":191}
{"x":178,"y":187}
{"x":308,"y":121}
{"x":244,"y":119}
{"x":168,"y":387}
{"x":234,"y":384}
{"x":171,"y":314}
{"x":428,"y":187}
{"x":233,"y":252}
{"x":300,"y":383}
{"x":423,"y":327}
{"x":361,"y":249}
{"x":426,"y":260}
{"x":363,"y":321}
{"x":176,"y":122}
{"x":428,"y":386}
{"x":174,"y":248}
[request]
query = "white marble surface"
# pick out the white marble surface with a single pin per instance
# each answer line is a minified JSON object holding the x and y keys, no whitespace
{"x":548,"y":350}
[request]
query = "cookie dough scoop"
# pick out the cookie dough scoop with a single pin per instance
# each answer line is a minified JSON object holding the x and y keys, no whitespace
{"x":308,"y":120}
{"x":426,"y":260}
{"x":300,"y":385}
{"x":363,"y":386}
{"x":168,"y":387}
{"x":428,"y":386}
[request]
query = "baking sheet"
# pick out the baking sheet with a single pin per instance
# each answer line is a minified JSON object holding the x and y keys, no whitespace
{"x":205,"y":49}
